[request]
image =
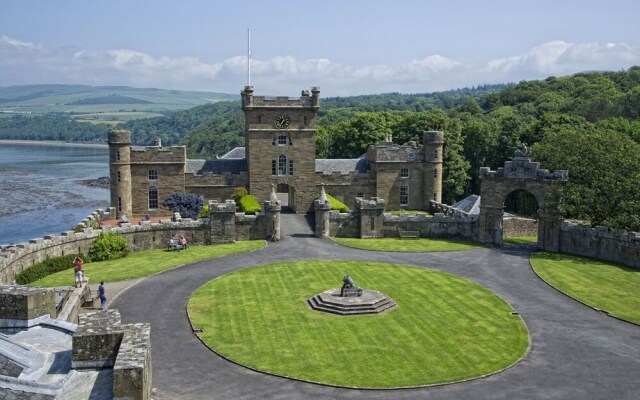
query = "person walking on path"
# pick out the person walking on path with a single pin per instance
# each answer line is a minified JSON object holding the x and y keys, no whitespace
{"x":102,"y":293}
{"x":77,"y":264}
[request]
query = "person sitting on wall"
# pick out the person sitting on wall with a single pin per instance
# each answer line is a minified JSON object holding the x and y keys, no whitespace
{"x":182,"y":242}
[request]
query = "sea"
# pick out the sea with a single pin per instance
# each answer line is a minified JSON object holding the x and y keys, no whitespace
{"x":41,"y":189}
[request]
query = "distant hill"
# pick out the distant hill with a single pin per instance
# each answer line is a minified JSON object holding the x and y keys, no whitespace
{"x":101,"y":103}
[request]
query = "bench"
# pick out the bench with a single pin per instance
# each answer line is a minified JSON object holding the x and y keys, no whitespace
{"x":409,"y":234}
{"x":176,"y":247}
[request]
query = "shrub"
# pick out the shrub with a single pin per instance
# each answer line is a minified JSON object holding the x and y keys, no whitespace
{"x":187,"y":204}
{"x":337,"y":204}
{"x":238,"y":193}
{"x":205,"y":213}
{"x":249,"y":204}
{"x":47,"y":267}
{"x":108,"y":246}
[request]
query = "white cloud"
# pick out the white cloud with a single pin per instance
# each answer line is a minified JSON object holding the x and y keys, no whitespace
{"x":23,"y":62}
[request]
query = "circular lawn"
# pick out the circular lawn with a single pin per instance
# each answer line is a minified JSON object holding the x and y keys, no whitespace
{"x":445,"y":328}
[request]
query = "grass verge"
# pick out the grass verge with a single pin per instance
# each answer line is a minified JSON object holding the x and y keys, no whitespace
{"x":445,"y":328}
{"x":519,"y":240}
{"x":407,"y":245}
{"x":144,"y":263}
{"x":599,"y":284}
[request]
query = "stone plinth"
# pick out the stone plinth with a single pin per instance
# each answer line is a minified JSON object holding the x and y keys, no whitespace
{"x":132,"y":371}
{"x":371,"y":302}
{"x":97,"y":340}
{"x":25,"y":306}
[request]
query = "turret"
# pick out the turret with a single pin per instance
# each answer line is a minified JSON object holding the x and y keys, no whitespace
{"x":433,"y":148}
{"x":120,"y":171}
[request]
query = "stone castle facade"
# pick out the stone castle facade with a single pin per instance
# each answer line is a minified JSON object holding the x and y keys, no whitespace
{"x":280,"y":148}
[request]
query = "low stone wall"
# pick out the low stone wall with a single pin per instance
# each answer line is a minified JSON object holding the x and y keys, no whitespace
{"x":132,"y":376}
{"x":518,"y":226}
{"x":437,"y":226}
{"x":143,"y":236}
{"x":618,"y":246}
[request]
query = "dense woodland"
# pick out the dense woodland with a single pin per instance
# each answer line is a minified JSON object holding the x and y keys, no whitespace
{"x":588,"y":123}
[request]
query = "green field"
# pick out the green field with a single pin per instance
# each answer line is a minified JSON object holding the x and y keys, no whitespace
{"x":519,"y":240}
{"x":600,"y":284}
{"x":145,"y":263}
{"x":407,"y":245}
{"x":445,"y":328}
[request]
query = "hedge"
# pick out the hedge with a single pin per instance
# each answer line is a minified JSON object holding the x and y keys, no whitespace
{"x":48,"y":267}
{"x":337,"y":204}
{"x":249,"y":204}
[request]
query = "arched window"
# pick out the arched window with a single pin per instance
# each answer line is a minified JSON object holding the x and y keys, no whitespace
{"x":282,"y":165}
{"x":153,"y":198}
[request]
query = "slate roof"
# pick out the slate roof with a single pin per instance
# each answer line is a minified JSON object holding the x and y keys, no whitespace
{"x":219,"y":166}
{"x":470,"y":205}
{"x":344,"y":166}
{"x":236,"y":153}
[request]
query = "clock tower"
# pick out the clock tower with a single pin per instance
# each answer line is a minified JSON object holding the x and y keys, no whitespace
{"x":280,"y":145}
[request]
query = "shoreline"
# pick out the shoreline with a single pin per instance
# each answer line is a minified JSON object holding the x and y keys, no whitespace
{"x":53,"y":143}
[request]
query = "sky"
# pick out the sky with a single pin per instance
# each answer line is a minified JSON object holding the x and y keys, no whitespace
{"x":346,"y":47}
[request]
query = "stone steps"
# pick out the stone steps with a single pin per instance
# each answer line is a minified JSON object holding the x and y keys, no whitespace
{"x":372,"y":302}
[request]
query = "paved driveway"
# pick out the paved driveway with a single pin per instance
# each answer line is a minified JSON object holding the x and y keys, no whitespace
{"x":576,"y":353}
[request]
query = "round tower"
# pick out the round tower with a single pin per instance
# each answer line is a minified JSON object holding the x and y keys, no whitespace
{"x":433,"y":153}
{"x":120,"y":171}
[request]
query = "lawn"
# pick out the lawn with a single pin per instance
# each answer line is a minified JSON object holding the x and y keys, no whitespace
{"x":519,"y":240}
{"x":145,"y":263}
{"x":601,"y":285}
{"x":445,"y":328}
{"x":407,"y":245}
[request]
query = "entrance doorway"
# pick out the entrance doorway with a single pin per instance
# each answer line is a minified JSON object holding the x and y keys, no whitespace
{"x":520,"y":218}
{"x":286,"y":197}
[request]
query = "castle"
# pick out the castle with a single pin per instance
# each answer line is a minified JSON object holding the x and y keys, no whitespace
{"x":280,"y":148}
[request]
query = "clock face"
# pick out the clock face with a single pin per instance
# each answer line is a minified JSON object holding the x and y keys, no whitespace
{"x":281,"y":122}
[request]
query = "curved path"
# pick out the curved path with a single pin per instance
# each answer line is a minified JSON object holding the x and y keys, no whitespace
{"x":576,"y":353}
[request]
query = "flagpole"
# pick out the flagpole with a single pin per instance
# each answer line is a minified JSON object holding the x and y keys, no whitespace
{"x":248,"y":57}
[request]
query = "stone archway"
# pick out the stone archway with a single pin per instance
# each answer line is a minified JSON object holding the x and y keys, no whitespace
{"x":519,"y":174}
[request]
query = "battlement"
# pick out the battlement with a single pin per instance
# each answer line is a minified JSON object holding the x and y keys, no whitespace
{"x":158,"y":155}
{"x":119,"y":136}
{"x":305,"y":101}
{"x":523,"y":168}
{"x":374,"y":203}
{"x":389,"y":152}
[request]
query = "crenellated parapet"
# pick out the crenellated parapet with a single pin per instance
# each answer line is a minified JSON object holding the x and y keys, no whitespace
{"x":523,"y":168}
{"x":307,"y":100}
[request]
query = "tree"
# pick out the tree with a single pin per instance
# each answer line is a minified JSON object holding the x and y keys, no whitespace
{"x":604,"y":174}
{"x":187,"y":204}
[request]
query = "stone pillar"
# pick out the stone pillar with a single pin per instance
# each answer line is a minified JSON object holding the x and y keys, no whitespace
{"x":549,"y":232}
{"x":222,"y":223}
{"x":371,"y":217}
{"x":272,"y":210}
{"x":322,"y":208}
{"x":22,"y":307}
{"x":490,"y":225}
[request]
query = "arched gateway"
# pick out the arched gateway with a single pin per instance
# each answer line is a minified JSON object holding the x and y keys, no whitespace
{"x":519,"y":174}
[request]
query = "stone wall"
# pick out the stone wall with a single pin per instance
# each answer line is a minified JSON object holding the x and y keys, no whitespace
{"x":518,"y":226}
{"x":143,"y":236}
{"x":618,"y":246}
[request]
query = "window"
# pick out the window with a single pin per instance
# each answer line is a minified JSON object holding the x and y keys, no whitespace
{"x":273,"y":167}
{"x":404,"y":173}
{"x":119,"y":203}
{"x":118,"y":155}
{"x":118,"y":178}
{"x":404,"y":195}
{"x":282,"y":140}
{"x":435,"y":174}
{"x":434,"y":196}
{"x":435,"y":154}
{"x":282,"y":165}
{"x":153,"y":174}
{"x":153,"y":198}
{"x":360,"y":194}
{"x":290,"y":167}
